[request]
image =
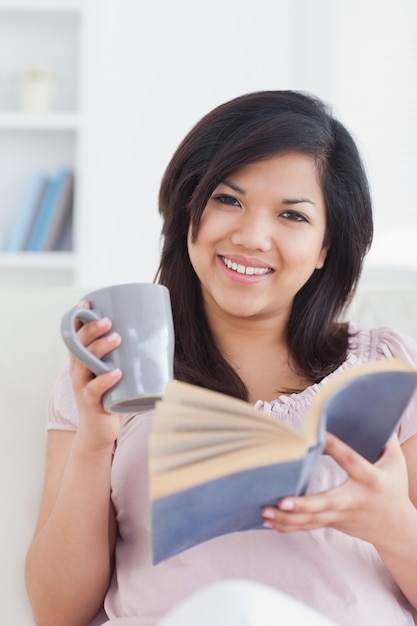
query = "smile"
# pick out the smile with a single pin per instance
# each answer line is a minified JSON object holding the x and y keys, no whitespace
{"x":245,"y":269}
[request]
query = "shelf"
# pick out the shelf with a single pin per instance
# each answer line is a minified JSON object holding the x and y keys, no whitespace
{"x":49,"y":6}
{"x":61,"y":121}
{"x":37,"y":260}
{"x":47,"y":33}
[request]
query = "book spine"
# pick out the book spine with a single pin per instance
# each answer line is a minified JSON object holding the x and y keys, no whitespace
{"x":26,"y":214}
{"x":47,"y":210}
{"x":61,"y":221}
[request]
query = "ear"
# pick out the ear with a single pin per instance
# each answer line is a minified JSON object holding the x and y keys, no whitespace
{"x":322,"y":256}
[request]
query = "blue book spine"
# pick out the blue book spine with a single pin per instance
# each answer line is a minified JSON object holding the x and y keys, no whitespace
{"x":46,"y":212}
{"x":25,"y":216}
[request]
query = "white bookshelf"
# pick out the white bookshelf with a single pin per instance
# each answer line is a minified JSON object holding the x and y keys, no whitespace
{"x":58,"y":121}
{"x":48,"y":6}
{"x":49,"y":34}
{"x":32,"y":269}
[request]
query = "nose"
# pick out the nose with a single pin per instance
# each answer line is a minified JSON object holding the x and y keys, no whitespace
{"x":253,"y":231}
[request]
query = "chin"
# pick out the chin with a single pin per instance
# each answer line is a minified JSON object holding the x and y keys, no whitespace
{"x":243,"y":312}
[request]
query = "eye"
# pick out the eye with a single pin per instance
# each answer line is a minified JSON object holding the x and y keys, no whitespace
{"x":294,"y":216}
{"x":223,"y":198}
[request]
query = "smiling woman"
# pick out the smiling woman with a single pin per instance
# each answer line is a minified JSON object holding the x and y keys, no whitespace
{"x":253,"y":160}
{"x":266,"y":221}
{"x":252,"y":238}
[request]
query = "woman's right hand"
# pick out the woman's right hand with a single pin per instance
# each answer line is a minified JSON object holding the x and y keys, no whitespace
{"x":97,"y":427}
{"x":75,"y":536}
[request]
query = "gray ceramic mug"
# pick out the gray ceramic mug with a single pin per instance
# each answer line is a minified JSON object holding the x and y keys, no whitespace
{"x":141,"y":314}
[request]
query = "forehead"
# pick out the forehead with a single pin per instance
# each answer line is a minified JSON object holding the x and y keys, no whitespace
{"x":286,"y":170}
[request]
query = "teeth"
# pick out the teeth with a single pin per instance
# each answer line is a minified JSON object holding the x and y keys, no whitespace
{"x":243,"y":269}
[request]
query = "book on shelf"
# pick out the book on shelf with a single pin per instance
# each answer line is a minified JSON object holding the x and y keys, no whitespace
{"x":65,"y":240}
{"x":53,"y":213}
{"x":215,"y":460}
{"x":26,"y":214}
{"x":61,"y":222}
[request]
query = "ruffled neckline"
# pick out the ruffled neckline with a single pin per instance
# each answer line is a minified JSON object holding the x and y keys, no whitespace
{"x":292,"y":408}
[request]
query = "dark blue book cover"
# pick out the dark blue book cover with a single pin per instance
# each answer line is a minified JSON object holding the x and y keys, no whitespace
{"x":215,"y":461}
{"x":214,"y":508}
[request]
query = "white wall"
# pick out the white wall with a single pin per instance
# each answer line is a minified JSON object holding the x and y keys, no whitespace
{"x":154,"y":68}
{"x":376,"y":96}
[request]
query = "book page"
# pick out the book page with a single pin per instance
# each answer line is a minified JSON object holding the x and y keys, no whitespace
{"x":184,"y":476}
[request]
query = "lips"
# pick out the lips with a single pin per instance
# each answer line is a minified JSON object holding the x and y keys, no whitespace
{"x":249,"y":270}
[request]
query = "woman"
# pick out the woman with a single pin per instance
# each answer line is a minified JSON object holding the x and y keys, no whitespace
{"x":267,"y":218}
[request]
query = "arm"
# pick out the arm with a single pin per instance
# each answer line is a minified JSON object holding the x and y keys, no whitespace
{"x":400,"y":556}
{"x":74,"y":539}
{"x":379,"y":492}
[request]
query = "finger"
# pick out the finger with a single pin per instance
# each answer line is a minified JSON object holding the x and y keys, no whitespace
{"x":81,"y":374}
{"x":392,"y":456}
{"x":291,"y":522}
{"x":99,"y":385}
{"x":393,"y":447}
{"x":90,"y":331}
{"x":102,"y":346}
{"x":293,"y":528}
{"x":91,"y":336}
{"x":356,"y":466}
{"x":299,"y":506}
{"x":312,"y":504}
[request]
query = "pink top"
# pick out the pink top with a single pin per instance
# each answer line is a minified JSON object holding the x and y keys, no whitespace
{"x":338,"y":575}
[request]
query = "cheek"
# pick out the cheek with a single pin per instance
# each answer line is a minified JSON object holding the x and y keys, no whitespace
{"x":213,"y":225}
{"x":217,"y":222}
{"x":322,"y":257}
{"x":212,"y":229}
{"x":191,"y":247}
{"x":198,"y":252}
{"x":304,"y":254}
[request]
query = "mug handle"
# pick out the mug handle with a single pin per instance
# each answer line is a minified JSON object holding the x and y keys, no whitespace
{"x":96,"y":365}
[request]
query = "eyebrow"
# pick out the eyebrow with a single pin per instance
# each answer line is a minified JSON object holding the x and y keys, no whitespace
{"x":288,"y":201}
{"x":299,"y":201}
{"x":234,"y":187}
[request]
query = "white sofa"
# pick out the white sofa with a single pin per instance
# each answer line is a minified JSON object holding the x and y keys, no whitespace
{"x":32,"y":353}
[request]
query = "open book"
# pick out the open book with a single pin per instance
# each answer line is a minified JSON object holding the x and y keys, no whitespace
{"x":215,"y":461}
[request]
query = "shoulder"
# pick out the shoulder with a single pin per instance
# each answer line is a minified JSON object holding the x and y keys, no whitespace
{"x":62,"y":409}
{"x":369,"y":344}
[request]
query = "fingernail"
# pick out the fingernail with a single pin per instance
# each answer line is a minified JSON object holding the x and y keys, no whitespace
{"x":268,"y":513}
{"x":112,"y":337}
{"x":103,"y":321}
{"x":286,"y":505}
{"x":116,"y":372}
{"x":267,"y":525}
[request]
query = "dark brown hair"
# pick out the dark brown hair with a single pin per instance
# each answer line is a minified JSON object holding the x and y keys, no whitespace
{"x":244,"y":130}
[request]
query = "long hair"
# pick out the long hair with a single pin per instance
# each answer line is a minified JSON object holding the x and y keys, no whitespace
{"x":247,"y":129}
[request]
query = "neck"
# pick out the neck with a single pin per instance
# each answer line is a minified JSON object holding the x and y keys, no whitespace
{"x":258,"y":351}
{"x":236,"y":337}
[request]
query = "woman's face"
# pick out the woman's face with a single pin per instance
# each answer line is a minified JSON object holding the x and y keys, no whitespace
{"x":260,"y":238}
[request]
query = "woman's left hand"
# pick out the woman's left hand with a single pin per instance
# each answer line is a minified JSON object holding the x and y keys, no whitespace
{"x":370,"y":505}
